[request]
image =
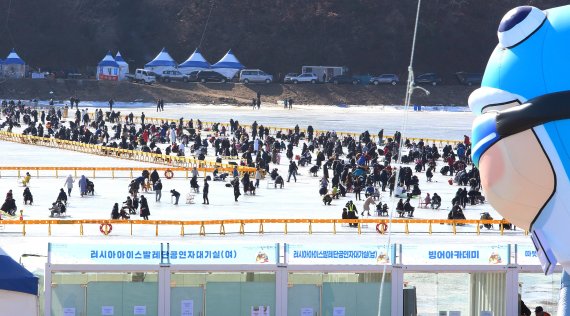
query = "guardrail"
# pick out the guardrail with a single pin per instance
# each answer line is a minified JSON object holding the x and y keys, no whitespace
{"x":222,"y":225}
{"x":113,"y":172}
{"x":207,"y":126}
{"x":174,"y":161}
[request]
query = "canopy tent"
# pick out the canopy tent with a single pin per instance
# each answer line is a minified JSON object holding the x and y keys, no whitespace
{"x":123,"y":66}
{"x":161,"y":62}
{"x":18,"y":288}
{"x":14,"y":66}
{"x":228,"y":66}
{"x":195,"y":62}
{"x":108,"y":68}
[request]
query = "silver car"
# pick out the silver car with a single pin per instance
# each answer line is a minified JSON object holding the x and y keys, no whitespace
{"x":385,"y":79}
{"x":254,"y":75}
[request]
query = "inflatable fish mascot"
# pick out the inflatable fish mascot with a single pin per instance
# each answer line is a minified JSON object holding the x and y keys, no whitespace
{"x":521,"y":136}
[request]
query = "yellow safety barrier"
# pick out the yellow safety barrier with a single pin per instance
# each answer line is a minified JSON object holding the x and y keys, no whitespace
{"x":174,"y":161}
{"x":223,"y":224}
{"x":207,"y":127}
{"x":56,"y":170}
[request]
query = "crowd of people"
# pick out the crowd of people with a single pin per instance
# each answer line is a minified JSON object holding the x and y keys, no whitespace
{"x":346,"y":165}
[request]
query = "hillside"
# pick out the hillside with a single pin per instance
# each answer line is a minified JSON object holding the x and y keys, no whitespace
{"x":231,"y":93}
{"x":279,"y":36}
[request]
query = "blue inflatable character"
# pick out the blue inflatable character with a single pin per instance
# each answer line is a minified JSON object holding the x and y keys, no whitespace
{"x":521,"y":137}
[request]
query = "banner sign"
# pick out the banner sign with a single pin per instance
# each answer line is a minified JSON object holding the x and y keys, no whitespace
{"x":151,"y":254}
{"x":526,"y":254}
{"x":337,"y":254}
{"x":456,"y":254}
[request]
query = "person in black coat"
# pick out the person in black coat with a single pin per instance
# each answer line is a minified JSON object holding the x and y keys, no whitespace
{"x":176,"y":195}
{"x":62,"y":196}
{"x":205,"y":191}
{"x":145,"y":211}
{"x":28,"y":196}
{"x":235,"y":184}
{"x":154,"y":176}
{"x":115,"y":212}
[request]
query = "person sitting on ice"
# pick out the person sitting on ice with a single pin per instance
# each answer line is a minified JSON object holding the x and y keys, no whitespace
{"x":57,"y":208}
{"x":382,"y":210}
{"x":416,"y":190}
{"x":28,"y":198}
{"x":115,"y":212}
{"x":327,"y":199}
{"x":435,"y":201}
{"x":26,"y":179}
{"x":408,"y":208}
{"x":9,"y":205}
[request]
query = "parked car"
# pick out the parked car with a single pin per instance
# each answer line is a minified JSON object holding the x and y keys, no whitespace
{"x":193,"y":76}
{"x":344,"y":79}
{"x":173,"y":75}
{"x":385,"y":79}
{"x":254,"y":75}
{"x":428,"y":78}
{"x":142,"y":76}
{"x":210,"y":76}
{"x":289,"y":77}
{"x":305,"y":78}
{"x":468,"y":78}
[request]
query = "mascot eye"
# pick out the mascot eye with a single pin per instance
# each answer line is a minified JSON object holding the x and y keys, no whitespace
{"x":519,"y":24}
{"x":487,"y":99}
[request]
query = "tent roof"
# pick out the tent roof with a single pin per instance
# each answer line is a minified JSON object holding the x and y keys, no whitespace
{"x":195,"y":60}
{"x":162,"y":59}
{"x":228,"y":61}
{"x":108,"y":61}
{"x":14,"y":59}
{"x":119,"y":59}
{"x":14,"y":277}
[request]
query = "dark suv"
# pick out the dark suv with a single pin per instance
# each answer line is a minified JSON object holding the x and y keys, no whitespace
{"x":210,"y":76}
{"x":468,"y":78}
{"x":428,"y":78}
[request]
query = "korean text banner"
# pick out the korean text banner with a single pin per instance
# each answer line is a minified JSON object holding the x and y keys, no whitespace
{"x":337,"y":254}
{"x":226,"y":253}
{"x":456,"y":254}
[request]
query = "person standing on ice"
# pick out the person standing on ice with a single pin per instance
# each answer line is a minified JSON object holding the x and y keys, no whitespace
{"x":172,"y":135}
{"x":235,"y":184}
{"x":206,"y":191}
{"x":69,"y":184}
{"x":83,"y":185}
{"x":369,"y":200}
{"x":145,"y":212}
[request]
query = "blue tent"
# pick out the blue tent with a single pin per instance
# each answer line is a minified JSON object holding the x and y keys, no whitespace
{"x":163,"y":59}
{"x":14,"y":277}
{"x":108,"y":61}
{"x":229,"y":65}
{"x":14,"y":59}
{"x":195,"y":62}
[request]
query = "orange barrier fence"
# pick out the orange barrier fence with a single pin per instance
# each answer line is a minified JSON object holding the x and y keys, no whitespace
{"x":207,"y":126}
{"x":114,"y":171}
{"x":174,"y":161}
{"x":222,"y":225}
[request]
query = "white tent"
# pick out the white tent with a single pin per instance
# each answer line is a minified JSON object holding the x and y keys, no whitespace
{"x":195,"y":62}
{"x":108,"y":69}
{"x":161,"y":62}
{"x":18,"y":288}
{"x":228,"y":66}
{"x":14,"y":66}
{"x":123,"y":66}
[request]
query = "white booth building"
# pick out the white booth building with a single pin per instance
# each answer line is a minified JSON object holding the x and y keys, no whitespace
{"x":123,"y":66}
{"x":228,"y":66}
{"x":265,"y":279}
{"x":108,"y":69}
{"x":195,"y":62}
{"x":163,"y":61}
{"x":14,"y":66}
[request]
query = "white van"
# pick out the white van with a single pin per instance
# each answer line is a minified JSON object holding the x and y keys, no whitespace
{"x":254,"y":75}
